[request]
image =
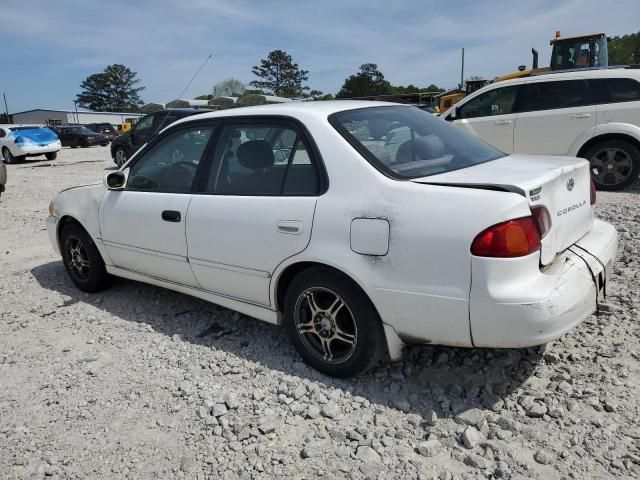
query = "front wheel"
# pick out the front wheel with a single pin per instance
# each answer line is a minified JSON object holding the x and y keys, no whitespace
{"x":615,"y":164}
{"x":82,"y":260}
{"x":51,"y":155}
{"x":332,"y":324}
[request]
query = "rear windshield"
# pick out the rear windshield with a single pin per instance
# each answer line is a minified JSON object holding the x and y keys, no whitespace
{"x":37,"y":134}
{"x":406,"y":142}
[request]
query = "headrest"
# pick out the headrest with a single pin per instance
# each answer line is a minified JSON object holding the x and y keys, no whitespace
{"x":255,"y":154}
{"x":425,"y":148}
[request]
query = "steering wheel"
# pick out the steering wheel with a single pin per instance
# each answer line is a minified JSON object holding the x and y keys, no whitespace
{"x":180,"y":175}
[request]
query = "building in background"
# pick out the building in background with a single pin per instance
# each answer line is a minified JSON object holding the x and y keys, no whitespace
{"x":63,"y":117}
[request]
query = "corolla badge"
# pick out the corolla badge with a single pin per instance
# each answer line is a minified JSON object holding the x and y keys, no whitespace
{"x":570,"y":184}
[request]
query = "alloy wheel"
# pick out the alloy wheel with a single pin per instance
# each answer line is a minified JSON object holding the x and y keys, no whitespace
{"x":7,"y":156}
{"x":325,"y":324}
{"x":78,"y":258}
{"x":611,"y":166}
{"x":121,"y":157}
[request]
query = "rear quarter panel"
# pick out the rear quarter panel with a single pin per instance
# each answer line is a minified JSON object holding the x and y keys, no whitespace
{"x":421,"y":286}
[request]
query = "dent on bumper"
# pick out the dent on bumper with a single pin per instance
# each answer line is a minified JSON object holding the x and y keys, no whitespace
{"x":543,"y":305}
{"x":52,"y":232}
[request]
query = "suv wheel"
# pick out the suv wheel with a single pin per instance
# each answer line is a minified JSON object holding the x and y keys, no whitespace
{"x":120,"y":156}
{"x":332,"y":324}
{"x":615,"y":164}
{"x":51,"y":156}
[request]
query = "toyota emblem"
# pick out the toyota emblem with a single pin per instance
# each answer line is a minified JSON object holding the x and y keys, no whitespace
{"x":570,"y":184}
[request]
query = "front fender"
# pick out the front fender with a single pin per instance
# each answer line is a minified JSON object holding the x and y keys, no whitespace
{"x":82,"y":204}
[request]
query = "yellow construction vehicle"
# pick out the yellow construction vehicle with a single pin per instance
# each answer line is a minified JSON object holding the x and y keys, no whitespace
{"x":568,"y":53}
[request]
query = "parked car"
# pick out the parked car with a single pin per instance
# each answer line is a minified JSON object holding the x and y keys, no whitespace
{"x":104,"y":128}
{"x":3,"y":177}
{"x":128,"y":143}
{"x":356,"y":244}
{"x":79,"y":136}
{"x":18,"y":142}
{"x":594,"y":114}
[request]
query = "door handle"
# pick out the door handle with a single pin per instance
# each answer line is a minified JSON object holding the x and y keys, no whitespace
{"x":503,"y":122}
{"x":171,"y":216}
{"x":581,"y":115}
{"x":292,"y":227}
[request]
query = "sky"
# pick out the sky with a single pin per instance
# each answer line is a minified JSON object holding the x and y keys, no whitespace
{"x":49,"y":47}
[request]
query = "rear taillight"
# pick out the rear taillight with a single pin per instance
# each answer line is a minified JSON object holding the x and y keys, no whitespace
{"x":593,"y":192}
{"x":543,"y":219}
{"x":515,"y":238}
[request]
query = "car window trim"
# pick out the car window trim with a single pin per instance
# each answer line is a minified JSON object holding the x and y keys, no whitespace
{"x":214,"y":123}
{"x":214,"y":156}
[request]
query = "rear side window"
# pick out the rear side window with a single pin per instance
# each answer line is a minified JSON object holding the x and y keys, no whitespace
{"x":498,"y":101}
{"x":262,"y":159}
{"x":613,"y":90}
{"x":406,"y":142}
{"x":552,"y":95}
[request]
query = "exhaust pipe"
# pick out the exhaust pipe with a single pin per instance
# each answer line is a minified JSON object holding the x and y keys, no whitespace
{"x":534,"y":52}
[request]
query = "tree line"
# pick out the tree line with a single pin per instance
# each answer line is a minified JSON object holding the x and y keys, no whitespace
{"x":117,"y":87}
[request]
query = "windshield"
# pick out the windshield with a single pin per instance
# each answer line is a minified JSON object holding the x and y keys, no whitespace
{"x":406,"y":142}
{"x":82,"y":130}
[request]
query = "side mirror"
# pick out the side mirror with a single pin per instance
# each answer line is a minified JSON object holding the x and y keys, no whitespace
{"x":115,"y":180}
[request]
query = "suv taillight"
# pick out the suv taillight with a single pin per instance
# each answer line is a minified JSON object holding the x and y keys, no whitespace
{"x":515,"y":238}
{"x":593,"y":192}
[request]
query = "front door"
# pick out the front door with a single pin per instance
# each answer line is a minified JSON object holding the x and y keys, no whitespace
{"x":553,"y":114}
{"x":490,"y":116}
{"x":254,"y":208}
{"x":143,"y":226}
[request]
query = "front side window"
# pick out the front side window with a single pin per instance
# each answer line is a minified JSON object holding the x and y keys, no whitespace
{"x":551,"y":95}
{"x":145,"y":123}
{"x":613,"y":90}
{"x":406,"y":142}
{"x":262,"y":159}
{"x":170,"y":165}
{"x":498,"y":101}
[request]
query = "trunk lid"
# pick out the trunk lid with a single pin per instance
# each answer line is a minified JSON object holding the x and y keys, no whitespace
{"x":561,"y":184}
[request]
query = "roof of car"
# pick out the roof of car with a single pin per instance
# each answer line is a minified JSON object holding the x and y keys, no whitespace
{"x":15,"y":125}
{"x":578,"y":73}
{"x":322,"y":108}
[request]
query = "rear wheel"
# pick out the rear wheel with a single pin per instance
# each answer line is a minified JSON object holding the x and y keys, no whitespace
{"x":332,"y":323}
{"x":8,"y":157}
{"x":51,"y":156}
{"x":120,"y":156}
{"x":82,"y":260}
{"x":615,"y":164}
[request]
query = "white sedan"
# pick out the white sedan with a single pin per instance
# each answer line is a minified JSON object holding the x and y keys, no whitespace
{"x":18,"y":142}
{"x":360,"y":226}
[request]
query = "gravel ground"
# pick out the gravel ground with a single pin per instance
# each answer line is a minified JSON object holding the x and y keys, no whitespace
{"x":140,"y":382}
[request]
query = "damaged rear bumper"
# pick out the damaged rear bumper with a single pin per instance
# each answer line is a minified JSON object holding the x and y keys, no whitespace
{"x":513,"y":303}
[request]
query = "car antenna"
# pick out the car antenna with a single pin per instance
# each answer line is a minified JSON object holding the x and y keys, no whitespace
{"x":187,"y":87}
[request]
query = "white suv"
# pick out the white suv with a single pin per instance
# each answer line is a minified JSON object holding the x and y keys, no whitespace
{"x":592,"y":114}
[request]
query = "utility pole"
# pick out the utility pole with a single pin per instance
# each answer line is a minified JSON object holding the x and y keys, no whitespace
{"x":75,"y":102}
{"x":462,"y":71}
{"x":6,"y":109}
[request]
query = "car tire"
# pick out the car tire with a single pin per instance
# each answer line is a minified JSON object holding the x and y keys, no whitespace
{"x":332,"y":323}
{"x":73,"y":146}
{"x":120,"y":156}
{"x":51,"y":156}
{"x":615,"y":164}
{"x":82,"y":260}
{"x":7,"y":156}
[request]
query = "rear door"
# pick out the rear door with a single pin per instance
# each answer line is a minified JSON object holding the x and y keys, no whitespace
{"x":552,"y":114}
{"x":143,"y":226}
{"x":490,"y":116}
{"x":254,"y":207}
